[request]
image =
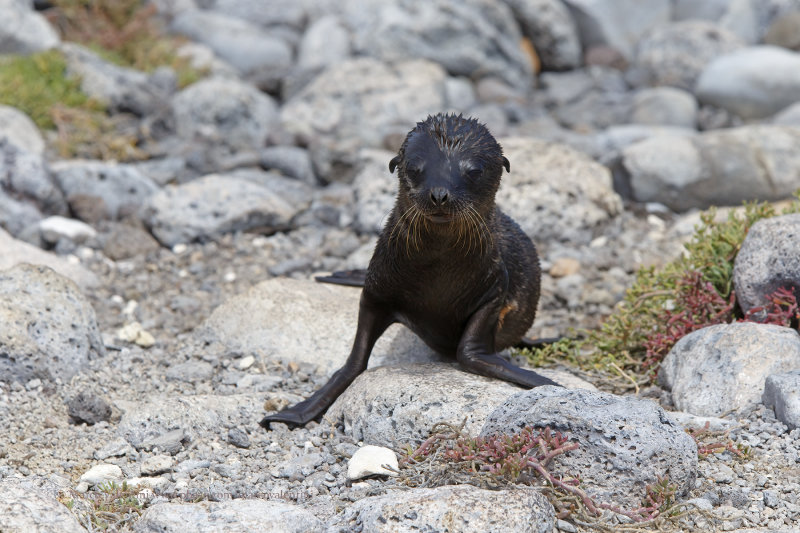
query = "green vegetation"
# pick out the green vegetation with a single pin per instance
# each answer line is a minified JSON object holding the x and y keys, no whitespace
{"x":111,"y":507}
{"x":693,"y":291}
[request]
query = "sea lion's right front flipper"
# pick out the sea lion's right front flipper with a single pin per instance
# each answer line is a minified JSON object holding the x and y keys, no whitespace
{"x":372,"y":322}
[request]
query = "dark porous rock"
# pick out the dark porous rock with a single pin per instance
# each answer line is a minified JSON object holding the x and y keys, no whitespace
{"x":675,"y":54}
{"x":468,"y":38}
{"x":124,"y":241}
{"x":754,"y":82}
{"x":227,"y":115}
{"x":88,"y":407}
{"x":356,"y":105}
{"x":24,"y":31}
{"x":554,"y":192}
{"x":617,"y":23}
{"x":399,"y":405}
{"x":49,"y":328}
{"x":14,"y":252}
{"x":625,"y":443}
{"x":216,"y":204}
{"x":549,"y":26}
{"x":239,"y":42}
{"x":290,"y":161}
{"x":120,"y":88}
{"x":452,"y":508}
{"x":721,"y":167}
{"x":32,"y":504}
{"x":782,"y":393}
{"x":233,"y":516}
{"x":304,"y":321}
{"x":721,"y":368}
{"x":122,"y":188}
{"x":768,"y":260}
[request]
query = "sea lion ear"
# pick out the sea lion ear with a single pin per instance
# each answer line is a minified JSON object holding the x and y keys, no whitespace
{"x":507,"y":165}
{"x":393,"y":163}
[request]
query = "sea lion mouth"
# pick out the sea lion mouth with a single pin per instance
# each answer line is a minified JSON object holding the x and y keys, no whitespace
{"x":439,"y":218}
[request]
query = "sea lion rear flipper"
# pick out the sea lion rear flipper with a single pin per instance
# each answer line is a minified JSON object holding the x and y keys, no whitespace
{"x":351,"y":278}
{"x":527,"y":342}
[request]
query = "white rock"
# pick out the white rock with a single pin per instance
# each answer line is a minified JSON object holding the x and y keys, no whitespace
{"x":102,"y":473}
{"x":246,"y":362}
{"x":56,"y":227}
{"x":135,"y":333}
{"x":157,"y":464}
{"x":369,"y":460}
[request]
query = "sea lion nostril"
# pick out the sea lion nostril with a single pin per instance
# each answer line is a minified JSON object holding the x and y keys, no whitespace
{"x":439,"y":196}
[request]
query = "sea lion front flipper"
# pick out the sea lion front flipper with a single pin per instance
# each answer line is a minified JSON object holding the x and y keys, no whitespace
{"x":476,"y":351}
{"x":372,"y":322}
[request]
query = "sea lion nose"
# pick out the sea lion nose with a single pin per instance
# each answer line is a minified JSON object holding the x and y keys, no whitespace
{"x":439,"y":196}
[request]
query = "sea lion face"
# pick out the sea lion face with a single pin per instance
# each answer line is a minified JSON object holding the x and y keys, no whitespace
{"x":449,"y":165}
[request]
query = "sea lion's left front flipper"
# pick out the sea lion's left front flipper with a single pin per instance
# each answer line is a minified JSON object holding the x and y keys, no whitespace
{"x":476,"y":349}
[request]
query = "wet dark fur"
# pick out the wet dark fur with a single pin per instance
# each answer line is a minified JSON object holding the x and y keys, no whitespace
{"x":449,"y":264}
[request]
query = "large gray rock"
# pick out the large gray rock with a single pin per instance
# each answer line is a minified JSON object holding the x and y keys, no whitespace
{"x":455,"y":509}
{"x":304,"y":321}
{"x":18,"y":129}
{"x":16,"y":215}
{"x":14,"y":252}
{"x":120,"y":88}
{"x":549,"y":26}
{"x":234,"y":516}
{"x":475,"y":38}
{"x":375,"y":191}
{"x":325,"y":43}
{"x":237,"y":41}
{"x":273,"y":13}
{"x":32,"y":504}
{"x":227,"y":114}
{"x":753,"y":82}
{"x":22,"y":30}
{"x":675,"y":54}
{"x":49,"y":328}
{"x":664,"y":106}
{"x":722,"y":368}
{"x":291,"y":161}
{"x":399,"y":405}
{"x":736,"y":16}
{"x":167,"y":423}
{"x":554,"y":192}
{"x":788,"y":116}
{"x":24,"y":175}
{"x":720,"y":167}
{"x":768,"y":259}
{"x":611,"y":141}
{"x":216,"y":204}
{"x":117,"y":189}
{"x":357,"y":104}
{"x":617,"y":23}
{"x":782,"y":393}
{"x":624,"y":443}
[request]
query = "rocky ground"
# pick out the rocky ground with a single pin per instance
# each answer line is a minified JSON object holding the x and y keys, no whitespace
{"x":180,"y":307}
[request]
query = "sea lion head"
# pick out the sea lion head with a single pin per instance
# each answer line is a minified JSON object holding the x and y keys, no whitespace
{"x":447,"y":166}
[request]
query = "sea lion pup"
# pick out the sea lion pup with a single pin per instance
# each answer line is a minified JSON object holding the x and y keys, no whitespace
{"x":449,"y":264}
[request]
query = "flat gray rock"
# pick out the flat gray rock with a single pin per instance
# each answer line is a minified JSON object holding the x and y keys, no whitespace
{"x":24,"y":176}
{"x":165,"y":423}
{"x":754,"y":82}
{"x":554,"y":192}
{"x":664,"y":106}
{"x":624,"y":443}
{"x":454,"y":508}
{"x":782,"y":393}
{"x":31,"y":504}
{"x":23,"y":30}
{"x":357,"y":104}
{"x":291,"y":161}
{"x":234,"y":516}
{"x":720,"y":167}
{"x":305,"y":321}
{"x":676,"y":53}
{"x":722,"y":368}
{"x":399,"y":405}
{"x":768,"y":260}
{"x":14,"y":252}
{"x":18,"y":129}
{"x":549,"y":26}
{"x":117,"y":187}
{"x":325,"y":43}
{"x":615,"y":23}
{"x":49,"y":328}
{"x":213,"y":205}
